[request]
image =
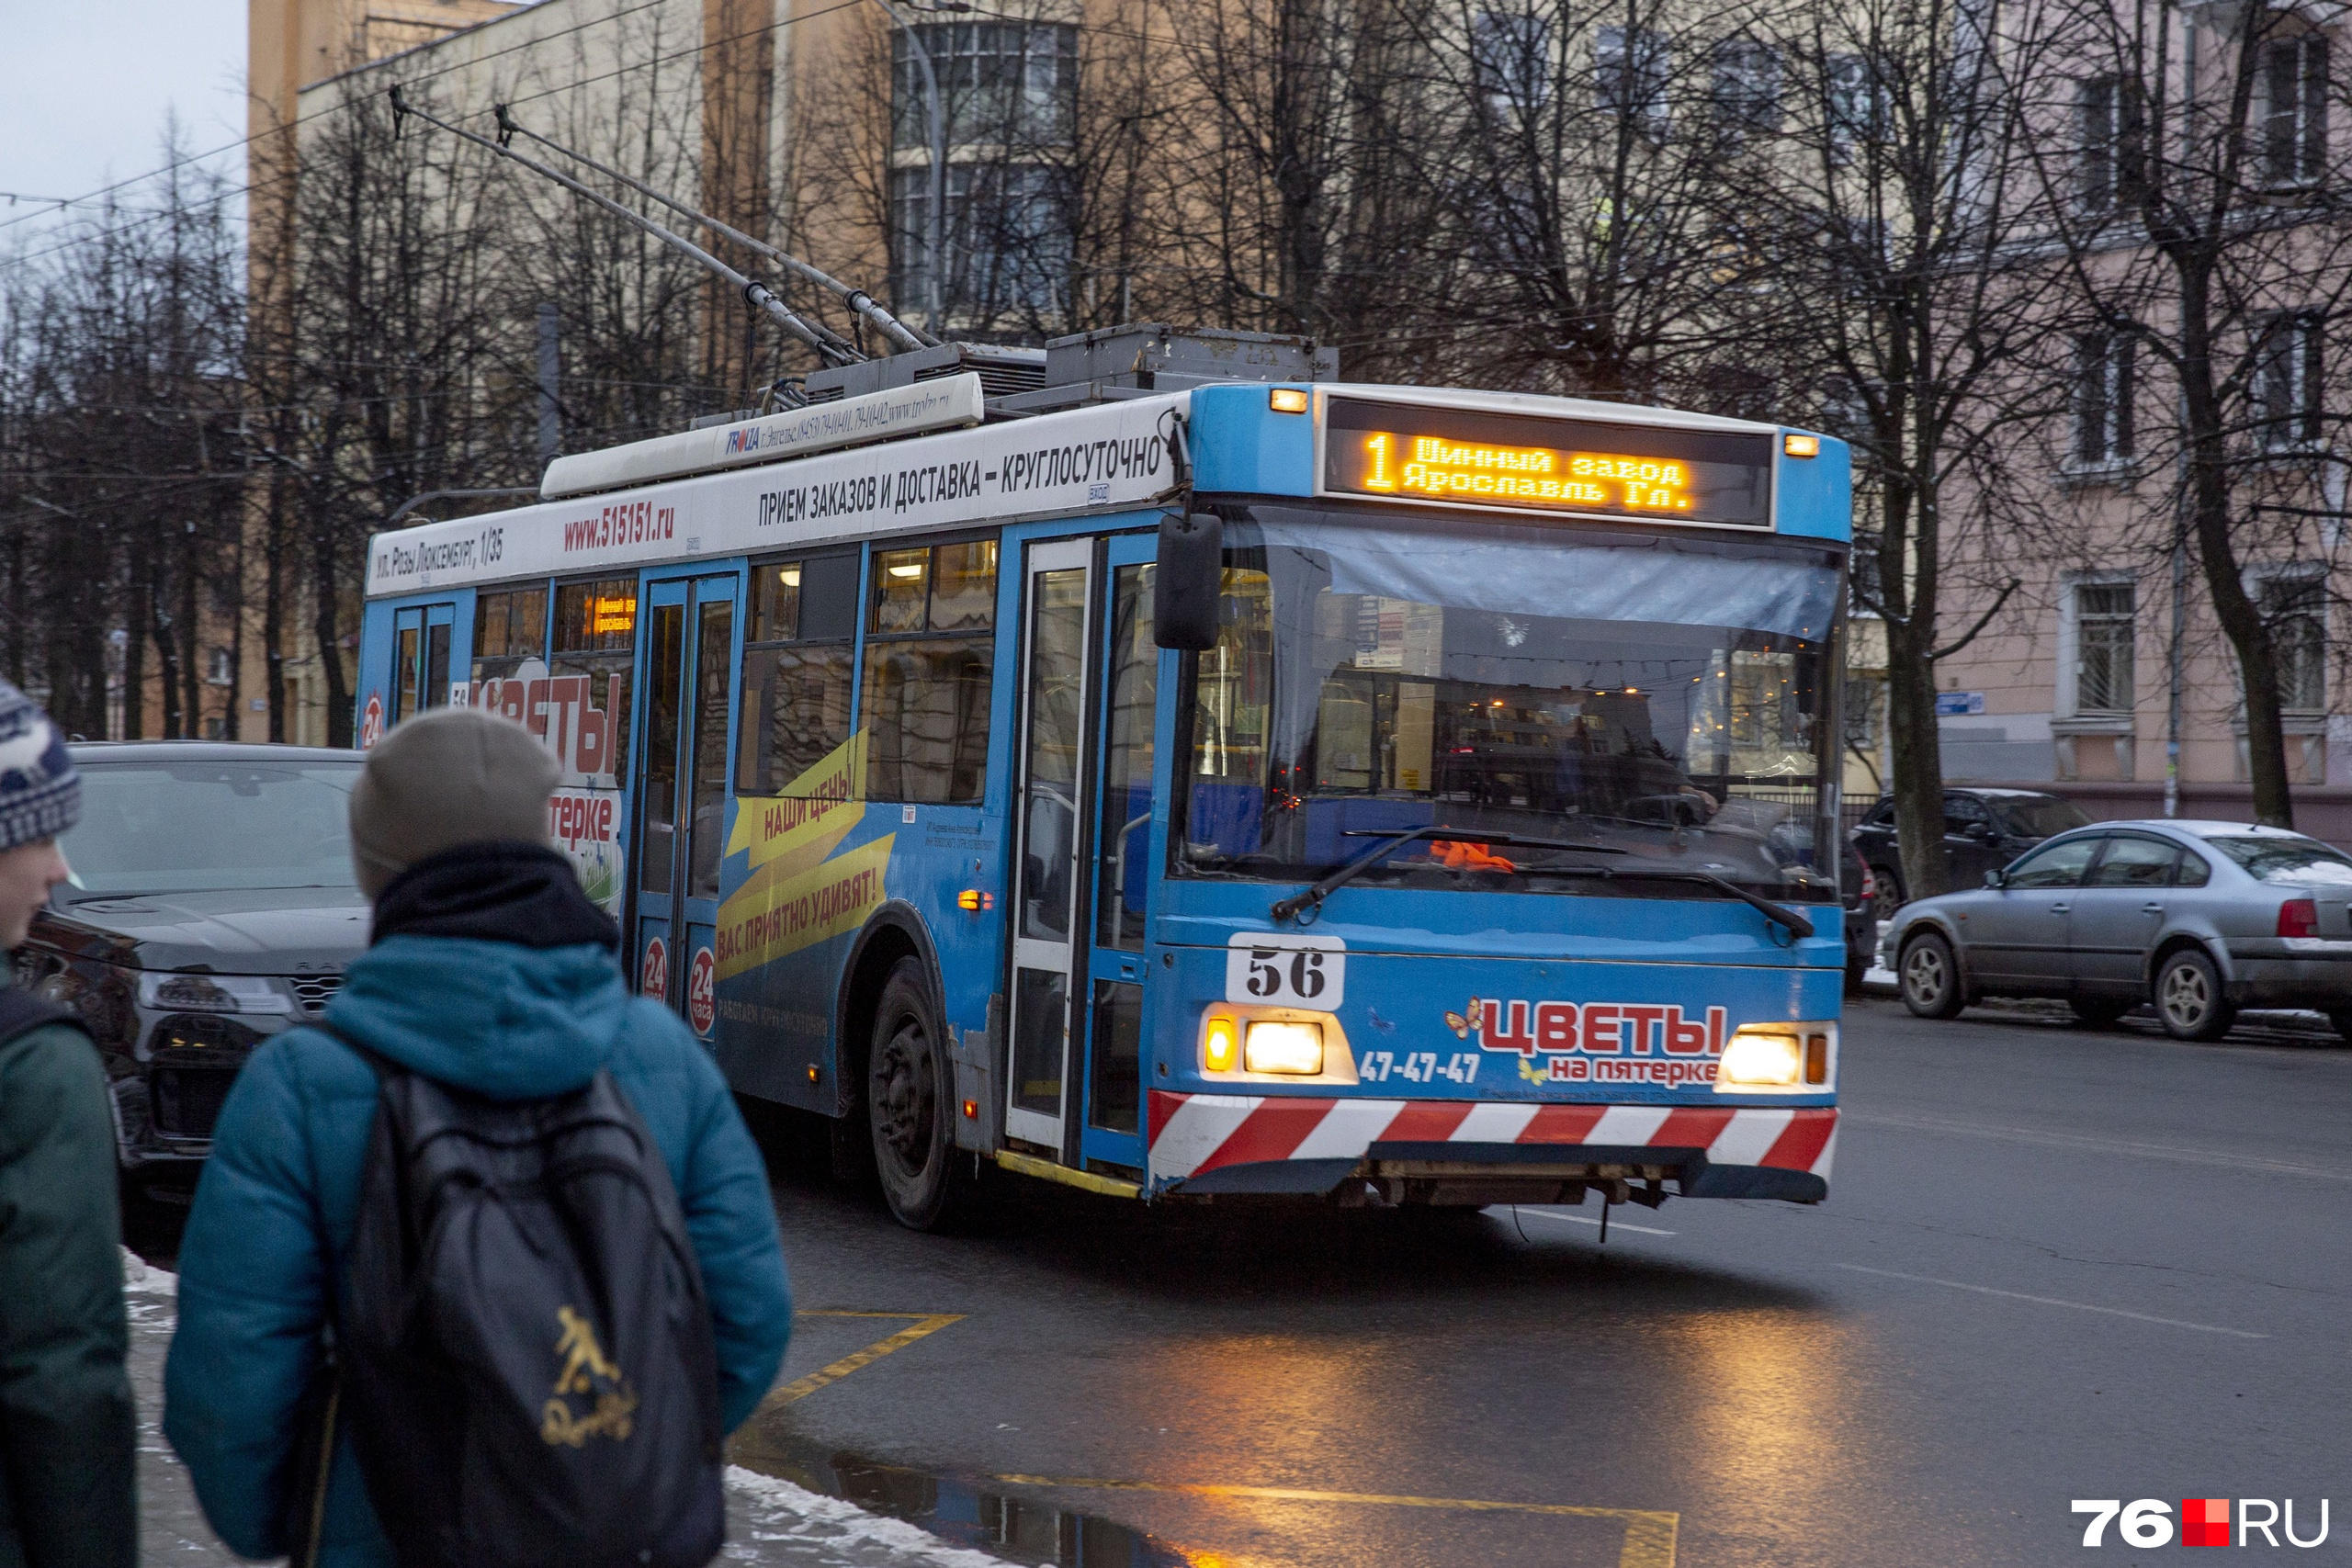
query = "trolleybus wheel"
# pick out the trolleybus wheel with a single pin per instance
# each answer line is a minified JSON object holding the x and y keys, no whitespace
{"x":910,"y":1099}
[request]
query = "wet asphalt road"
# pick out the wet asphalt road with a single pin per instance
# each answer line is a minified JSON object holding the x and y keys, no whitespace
{"x":2055,"y":1263}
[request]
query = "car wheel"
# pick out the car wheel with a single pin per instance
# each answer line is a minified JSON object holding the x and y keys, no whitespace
{"x":2190,"y":1000}
{"x":910,"y":1099}
{"x":1886,"y":896}
{"x":1930,"y":977}
{"x":2100,"y":1012}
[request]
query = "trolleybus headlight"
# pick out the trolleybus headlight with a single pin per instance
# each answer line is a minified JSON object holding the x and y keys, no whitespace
{"x":1273,"y":1046}
{"x":1221,"y":1045}
{"x":1774,"y":1060}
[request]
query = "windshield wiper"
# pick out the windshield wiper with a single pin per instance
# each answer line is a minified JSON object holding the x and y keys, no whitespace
{"x":1285,"y":908}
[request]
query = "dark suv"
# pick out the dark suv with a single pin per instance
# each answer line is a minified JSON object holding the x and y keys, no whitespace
{"x":212,"y":906}
{"x":1985,"y":830}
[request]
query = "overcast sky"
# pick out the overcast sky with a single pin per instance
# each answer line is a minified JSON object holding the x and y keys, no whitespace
{"x":89,"y":84}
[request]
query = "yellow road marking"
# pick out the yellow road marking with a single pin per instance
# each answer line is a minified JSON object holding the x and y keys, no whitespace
{"x":801,"y":1388}
{"x":1649,"y":1535}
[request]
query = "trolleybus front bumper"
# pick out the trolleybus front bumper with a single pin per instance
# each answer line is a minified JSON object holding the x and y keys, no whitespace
{"x":1465,"y":1152}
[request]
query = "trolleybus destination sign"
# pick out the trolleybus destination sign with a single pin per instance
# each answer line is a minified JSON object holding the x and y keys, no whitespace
{"x":1488,"y":458}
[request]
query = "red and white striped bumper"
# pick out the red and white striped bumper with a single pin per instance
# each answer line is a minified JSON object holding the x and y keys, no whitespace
{"x":1194,"y":1134}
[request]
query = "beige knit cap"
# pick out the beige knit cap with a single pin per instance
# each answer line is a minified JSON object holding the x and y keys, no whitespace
{"x":449,"y":777}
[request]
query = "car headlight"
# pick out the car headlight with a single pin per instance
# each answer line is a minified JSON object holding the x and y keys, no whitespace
{"x":1274,"y":1045}
{"x":212,"y":993}
{"x":1777,"y":1055}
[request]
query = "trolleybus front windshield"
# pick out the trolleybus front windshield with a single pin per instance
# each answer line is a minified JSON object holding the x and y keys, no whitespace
{"x":1666,"y":698}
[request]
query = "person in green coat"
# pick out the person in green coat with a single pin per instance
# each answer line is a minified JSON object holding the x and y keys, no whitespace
{"x":68,"y":1434}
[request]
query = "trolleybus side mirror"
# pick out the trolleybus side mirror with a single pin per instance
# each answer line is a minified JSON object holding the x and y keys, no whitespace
{"x":1187,"y":582}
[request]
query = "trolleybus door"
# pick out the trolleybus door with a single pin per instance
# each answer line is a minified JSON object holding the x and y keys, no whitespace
{"x":421,"y":639}
{"x":1122,"y":863}
{"x":681,"y":791}
{"x":1054,"y":772}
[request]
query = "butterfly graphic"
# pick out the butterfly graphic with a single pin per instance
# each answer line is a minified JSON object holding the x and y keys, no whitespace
{"x":1462,"y":1026}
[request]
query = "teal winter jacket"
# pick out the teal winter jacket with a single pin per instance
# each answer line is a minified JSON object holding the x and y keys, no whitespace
{"x":68,"y":1435}
{"x":273,"y":1213}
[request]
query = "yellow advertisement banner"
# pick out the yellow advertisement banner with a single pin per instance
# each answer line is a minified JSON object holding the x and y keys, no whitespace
{"x":772,"y":916}
{"x":815,"y":810}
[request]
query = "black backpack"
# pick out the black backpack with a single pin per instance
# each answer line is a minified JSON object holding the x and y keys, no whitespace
{"x":526,"y":1354}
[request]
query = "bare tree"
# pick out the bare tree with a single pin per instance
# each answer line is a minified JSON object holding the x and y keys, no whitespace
{"x":120,"y":460}
{"x":1903,"y":307}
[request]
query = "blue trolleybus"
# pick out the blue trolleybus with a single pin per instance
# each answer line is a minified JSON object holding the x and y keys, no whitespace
{"x":1387,"y":794}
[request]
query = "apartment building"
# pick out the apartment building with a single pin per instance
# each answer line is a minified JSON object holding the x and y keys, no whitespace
{"x":2110,"y":659}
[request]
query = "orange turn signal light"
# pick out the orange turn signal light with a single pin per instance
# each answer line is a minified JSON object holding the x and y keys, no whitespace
{"x":1801,"y":445}
{"x":812,"y":1073}
{"x":971,"y":1110}
{"x":973,"y":899}
{"x":1221,"y":1045}
{"x":1287,"y":399}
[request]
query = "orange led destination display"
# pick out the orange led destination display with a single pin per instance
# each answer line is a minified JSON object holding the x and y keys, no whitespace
{"x":1473,"y":458}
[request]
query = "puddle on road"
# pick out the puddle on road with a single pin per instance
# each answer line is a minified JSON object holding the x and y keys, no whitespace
{"x":1021,"y":1528}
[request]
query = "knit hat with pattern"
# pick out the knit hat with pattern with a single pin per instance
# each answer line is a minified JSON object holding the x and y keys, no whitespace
{"x":40,"y":795}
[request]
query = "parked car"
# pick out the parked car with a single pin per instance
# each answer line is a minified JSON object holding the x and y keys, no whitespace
{"x":1984,"y":831}
{"x":212,"y":906}
{"x":1861,"y":920}
{"x":2196,"y":919}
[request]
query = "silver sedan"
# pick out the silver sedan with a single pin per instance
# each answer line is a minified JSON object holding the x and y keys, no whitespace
{"x":2196,"y":918}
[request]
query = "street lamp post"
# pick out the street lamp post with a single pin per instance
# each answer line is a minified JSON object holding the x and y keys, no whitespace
{"x":935,"y":242}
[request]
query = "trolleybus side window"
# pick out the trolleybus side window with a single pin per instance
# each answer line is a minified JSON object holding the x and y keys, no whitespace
{"x":508,"y":628}
{"x":797,"y":667}
{"x":930,"y":654}
{"x":596,"y":637}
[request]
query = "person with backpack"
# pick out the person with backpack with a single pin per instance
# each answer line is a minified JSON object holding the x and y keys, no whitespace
{"x":484,"y":1266}
{"x":68,"y":1434}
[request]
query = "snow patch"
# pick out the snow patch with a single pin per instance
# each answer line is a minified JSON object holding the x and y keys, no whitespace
{"x":808,"y":1515}
{"x":137,"y":1274}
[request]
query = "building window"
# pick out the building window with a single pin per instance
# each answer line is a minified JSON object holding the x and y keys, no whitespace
{"x":2286,"y":384}
{"x":2294,"y":607}
{"x":2294,"y":109}
{"x":2104,"y":613}
{"x":1010,"y":91}
{"x":2113,"y":128}
{"x":1006,"y":232}
{"x":1629,"y":70}
{"x":1745,"y":85}
{"x":1000,"y":84}
{"x":2102,"y":398}
{"x":219,"y":667}
{"x":1856,"y":106}
{"x":1510,"y":60}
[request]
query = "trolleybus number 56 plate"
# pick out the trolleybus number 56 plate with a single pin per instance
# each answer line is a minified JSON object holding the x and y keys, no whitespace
{"x":1286,"y":970}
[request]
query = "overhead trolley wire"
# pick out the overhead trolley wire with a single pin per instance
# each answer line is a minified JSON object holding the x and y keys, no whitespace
{"x":828,"y":346}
